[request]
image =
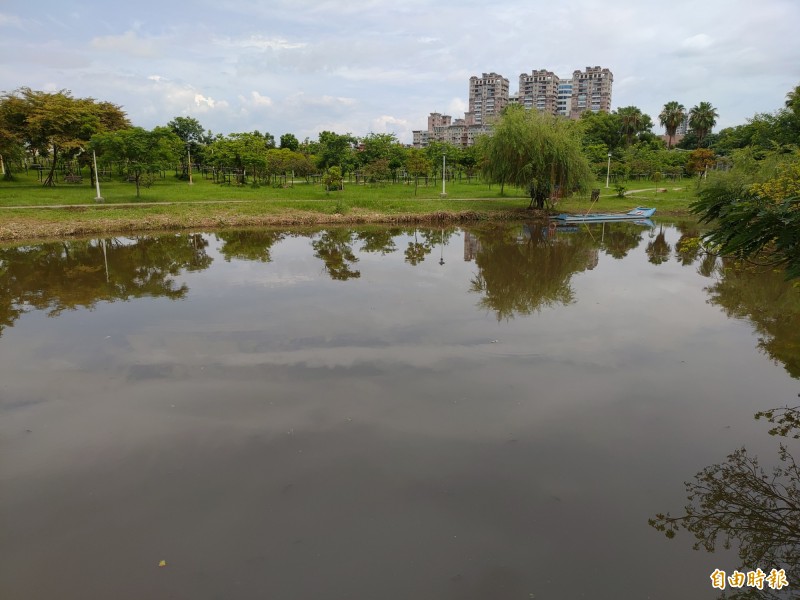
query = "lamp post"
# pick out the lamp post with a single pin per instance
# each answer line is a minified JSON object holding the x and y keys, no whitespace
{"x":444,"y":166}
{"x":189,"y":164}
{"x":608,"y":171}
{"x":99,"y":198}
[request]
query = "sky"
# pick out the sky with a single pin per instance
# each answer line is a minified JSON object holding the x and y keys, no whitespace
{"x":377,"y":66}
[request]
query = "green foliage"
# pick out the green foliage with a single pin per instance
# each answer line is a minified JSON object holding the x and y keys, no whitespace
{"x":332,"y":179}
{"x":672,"y":115}
{"x":535,"y":151}
{"x":702,"y":119}
{"x":633,"y":123}
{"x":416,"y":163}
{"x":189,"y":130}
{"x":377,"y":146}
{"x":54,"y":124}
{"x":336,"y":150}
{"x":289,"y":142}
{"x":140,"y":151}
{"x":747,"y":224}
{"x":601,"y":128}
{"x":377,"y":170}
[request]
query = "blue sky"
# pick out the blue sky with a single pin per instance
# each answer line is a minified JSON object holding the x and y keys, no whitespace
{"x":303,"y":66}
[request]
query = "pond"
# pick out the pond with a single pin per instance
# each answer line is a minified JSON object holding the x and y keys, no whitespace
{"x":488,"y":412}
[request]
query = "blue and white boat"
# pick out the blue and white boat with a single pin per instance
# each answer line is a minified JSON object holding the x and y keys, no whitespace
{"x":637,"y":214}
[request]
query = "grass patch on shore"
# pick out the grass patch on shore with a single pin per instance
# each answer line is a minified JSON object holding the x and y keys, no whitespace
{"x":28,"y":210}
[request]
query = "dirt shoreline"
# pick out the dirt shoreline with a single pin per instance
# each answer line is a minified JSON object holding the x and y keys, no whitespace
{"x":22,"y":229}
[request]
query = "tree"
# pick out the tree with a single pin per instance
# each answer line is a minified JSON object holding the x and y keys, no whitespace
{"x":244,"y":152}
{"x":601,"y":128}
{"x":702,"y":119}
{"x":188,"y":129}
{"x":332,"y":179}
{"x":139,"y":150}
{"x":335,"y":150}
{"x":536,"y":152}
{"x":289,"y":142}
{"x":671,"y":117}
{"x":417,"y":165}
{"x":755,"y":209}
{"x":376,"y":146}
{"x":377,"y":171}
{"x":633,"y":122}
{"x":55,"y":123}
{"x":701,"y":160}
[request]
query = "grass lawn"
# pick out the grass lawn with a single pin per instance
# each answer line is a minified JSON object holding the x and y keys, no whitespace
{"x":29,"y":210}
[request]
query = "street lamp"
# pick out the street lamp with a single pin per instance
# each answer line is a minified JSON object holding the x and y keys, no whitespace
{"x":444,"y":166}
{"x":608,"y":171}
{"x":99,"y":198}
{"x":189,"y":164}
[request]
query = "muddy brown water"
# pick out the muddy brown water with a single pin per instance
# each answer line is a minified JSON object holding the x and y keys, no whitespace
{"x":482,"y":413}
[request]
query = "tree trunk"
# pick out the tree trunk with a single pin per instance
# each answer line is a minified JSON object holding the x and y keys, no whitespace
{"x":50,"y":179}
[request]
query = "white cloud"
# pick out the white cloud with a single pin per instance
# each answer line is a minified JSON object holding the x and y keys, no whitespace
{"x":259,"y":43}
{"x":259,"y":100}
{"x":336,"y":65}
{"x":129,"y":44}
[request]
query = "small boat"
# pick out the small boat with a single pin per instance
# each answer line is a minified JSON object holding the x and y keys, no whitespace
{"x":638,"y":213}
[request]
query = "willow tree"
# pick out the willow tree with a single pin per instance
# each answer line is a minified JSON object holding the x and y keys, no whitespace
{"x":537,"y":152}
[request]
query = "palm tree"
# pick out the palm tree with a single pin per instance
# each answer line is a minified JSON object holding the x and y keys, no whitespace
{"x":671,"y":117}
{"x":632,"y":120}
{"x":702,"y":119}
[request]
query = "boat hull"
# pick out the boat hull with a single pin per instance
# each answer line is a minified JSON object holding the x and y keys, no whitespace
{"x":639,"y":213}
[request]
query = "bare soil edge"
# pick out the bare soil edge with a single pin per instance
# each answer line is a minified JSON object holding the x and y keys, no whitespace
{"x":35,"y":229}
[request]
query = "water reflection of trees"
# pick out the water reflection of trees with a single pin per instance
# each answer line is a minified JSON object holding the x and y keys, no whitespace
{"x":740,"y":503}
{"x":620,"y":238}
{"x":334,"y":248}
{"x":658,"y":250}
{"x":253,"y":244}
{"x":520,"y":274}
{"x":67,"y":275}
{"x":772,"y":305}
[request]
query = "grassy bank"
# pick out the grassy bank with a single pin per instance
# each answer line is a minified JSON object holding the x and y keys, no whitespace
{"x":28,"y":210}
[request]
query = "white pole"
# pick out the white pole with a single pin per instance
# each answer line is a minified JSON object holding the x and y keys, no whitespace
{"x":189,"y":165}
{"x":444,"y":167}
{"x":608,"y":172}
{"x":99,"y":198}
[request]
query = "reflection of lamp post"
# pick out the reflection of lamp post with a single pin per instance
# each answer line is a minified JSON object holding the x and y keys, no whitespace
{"x":608,"y":172}
{"x":441,"y":244}
{"x":444,"y":165}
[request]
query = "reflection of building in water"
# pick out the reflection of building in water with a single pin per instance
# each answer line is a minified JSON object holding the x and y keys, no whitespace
{"x":472,"y":246}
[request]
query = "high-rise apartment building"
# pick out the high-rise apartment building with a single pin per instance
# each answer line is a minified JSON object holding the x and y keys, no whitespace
{"x":488,"y":96}
{"x":586,"y":90}
{"x":542,"y":90}
{"x":591,"y":90}
{"x":539,"y":90}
